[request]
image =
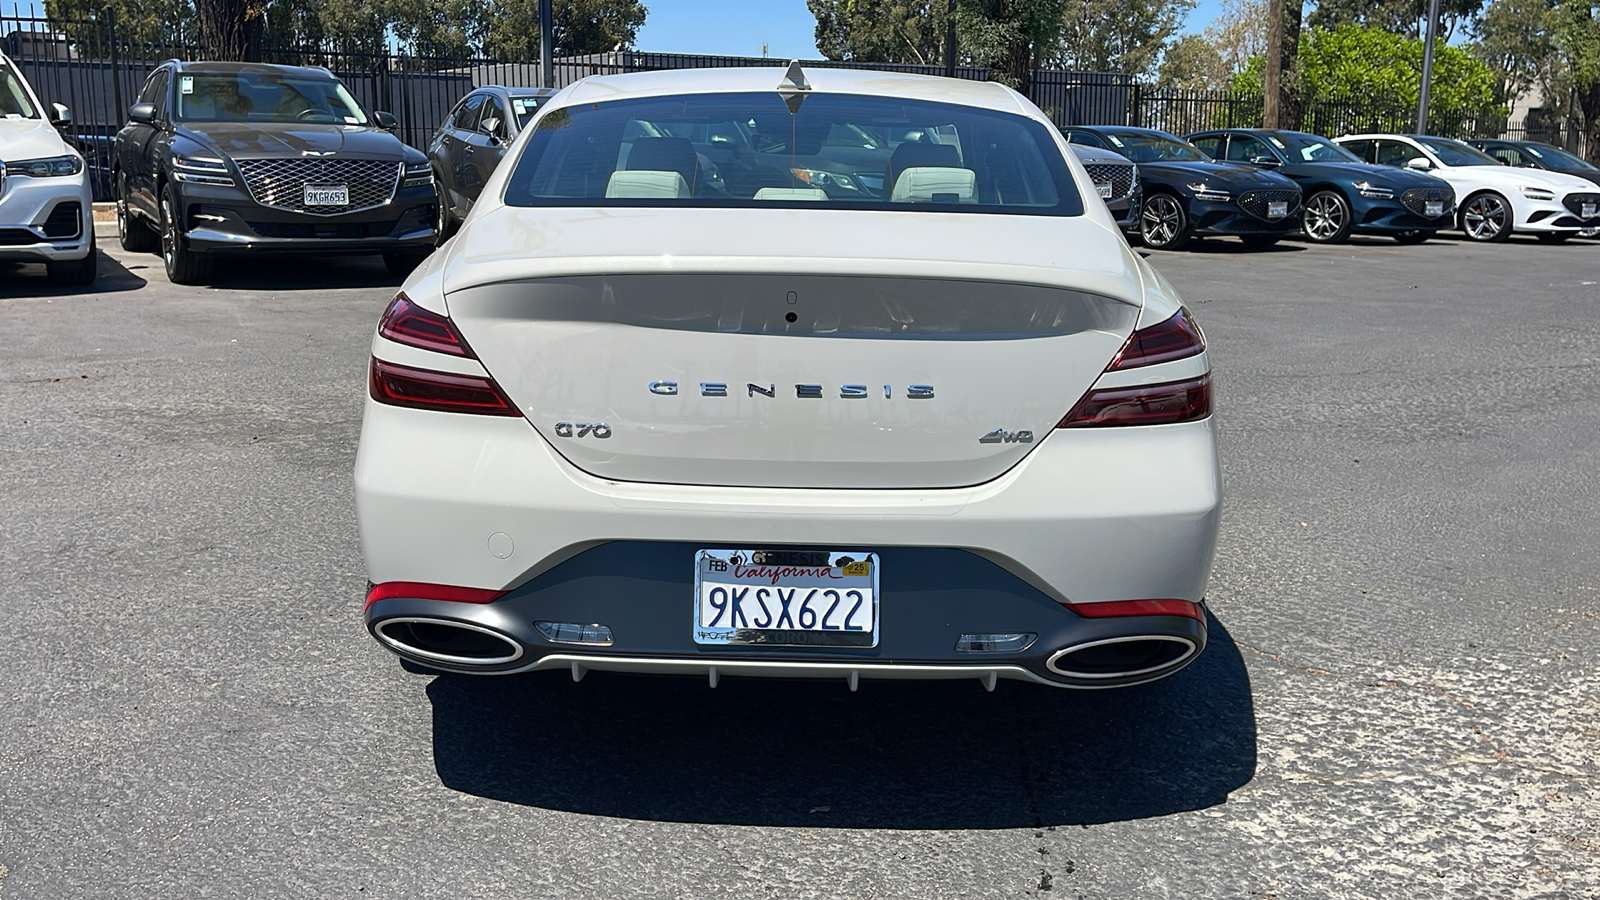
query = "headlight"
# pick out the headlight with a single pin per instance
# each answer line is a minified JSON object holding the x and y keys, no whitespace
{"x":53,"y":167}
{"x":1210,"y":196}
{"x":1374,"y":191}
{"x":1535,"y":193}
{"x":201,"y":170}
{"x":819,"y":178}
{"x":418,"y":174}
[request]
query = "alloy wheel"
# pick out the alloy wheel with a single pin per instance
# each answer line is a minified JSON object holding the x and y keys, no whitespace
{"x":1484,"y":219}
{"x":1325,"y":218}
{"x":169,"y":235}
{"x":1161,"y":221}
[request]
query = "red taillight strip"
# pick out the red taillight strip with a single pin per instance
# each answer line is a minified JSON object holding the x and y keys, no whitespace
{"x":421,"y":590}
{"x":1142,"y":404}
{"x":1116,"y":608}
{"x":1176,"y":337}
{"x":439,"y":391}
{"x":404,"y":322}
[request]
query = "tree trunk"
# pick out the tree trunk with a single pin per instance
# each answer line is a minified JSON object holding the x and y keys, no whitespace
{"x":230,"y":30}
{"x":1272,"y":78}
{"x":1289,"y":87}
{"x":1019,"y":63}
{"x":1589,"y":102}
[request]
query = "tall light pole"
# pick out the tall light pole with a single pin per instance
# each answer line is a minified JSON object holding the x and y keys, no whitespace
{"x":1427,"y":66}
{"x":547,"y":36}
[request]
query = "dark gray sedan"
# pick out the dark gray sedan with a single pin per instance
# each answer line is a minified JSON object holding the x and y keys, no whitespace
{"x":472,"y":141}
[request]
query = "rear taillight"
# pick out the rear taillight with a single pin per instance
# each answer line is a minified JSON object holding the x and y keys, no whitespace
{"x":1118,"y":608}
{"x":424,"y":591}
{"x":439,"y":391}
{"x":1174,"y":338}
{"x":407,"y":323}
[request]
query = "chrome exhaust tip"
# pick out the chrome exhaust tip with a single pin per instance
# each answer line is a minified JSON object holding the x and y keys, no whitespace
{"x":1123,"y":657}
{"x":447,"y":641}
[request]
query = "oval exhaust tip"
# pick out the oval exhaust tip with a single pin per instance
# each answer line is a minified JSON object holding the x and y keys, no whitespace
{"x":1122,"y":657}
{"x":447,"y":641}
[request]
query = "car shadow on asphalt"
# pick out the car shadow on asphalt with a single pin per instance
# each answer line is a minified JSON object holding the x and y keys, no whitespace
{"x":29,"y":280}
{"x":900,"y":755}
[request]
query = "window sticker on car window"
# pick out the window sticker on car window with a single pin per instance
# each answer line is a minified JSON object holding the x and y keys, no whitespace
{"x":1114,"y":139}
{"x":351,"y":120}
{"x":186,"y":84}
{"x":1277,"y":143}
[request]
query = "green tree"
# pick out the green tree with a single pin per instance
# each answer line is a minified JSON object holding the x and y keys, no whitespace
{"x":1239,"y":33}
{"x":1577,"y":37}
{"x":1117,"y":35}
{"x":347,"y":25}
{"x":881,"y":31}
{"x":1404,"y":17}
{"x":1193,"y":63}
{"x":509,"y":29}
{"x":1517,"y":39}
{"x":1011,"y":37}
{"x":158,"y":22}
{"x":1373,"y":64}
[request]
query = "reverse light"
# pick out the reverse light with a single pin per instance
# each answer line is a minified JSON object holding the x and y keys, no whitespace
{"x":52,"y":167}
{"x":1008,"y":642}
{"x":575,"y":633}
{"x":438,"y":391}
{"x":1536,"y":193}
{"x":424,"y":591}
{"x":1374,"y":191}
{"x":404,"y":322}
{"x":1119,"y":608}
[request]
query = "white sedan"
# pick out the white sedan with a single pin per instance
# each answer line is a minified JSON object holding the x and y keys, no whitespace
{"x":1495,"y":200}
{"x":907,"y":412}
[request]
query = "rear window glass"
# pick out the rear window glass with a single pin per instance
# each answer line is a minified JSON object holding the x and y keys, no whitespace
{"x":750,"y":150}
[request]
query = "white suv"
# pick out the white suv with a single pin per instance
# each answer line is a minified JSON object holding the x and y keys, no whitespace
{"x":1495,"y":200}
{"x":45,"y":201}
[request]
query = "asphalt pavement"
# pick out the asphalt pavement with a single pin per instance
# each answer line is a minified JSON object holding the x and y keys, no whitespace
{"x":1400,"y":698}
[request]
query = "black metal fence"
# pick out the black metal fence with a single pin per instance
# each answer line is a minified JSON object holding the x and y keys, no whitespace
{"x":90,"y":67}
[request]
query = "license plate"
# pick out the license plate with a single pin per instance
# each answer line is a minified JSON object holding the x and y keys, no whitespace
{"x":810,"y":598}
{"x":1589,"y":210}
{"x":1104,"y":187}
{"x":1277,"y":209}
{"x":1433,"y":209}
{"x":327,"y":195}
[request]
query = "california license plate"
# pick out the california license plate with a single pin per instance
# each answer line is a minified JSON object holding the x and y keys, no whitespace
{"x":327,"y":195}
{"x":1589,"y":210}
{"x":1277,"y":209}
{"x":1433,"y":209}
{"x":1104,"y":187}
{"x":810,"y":598}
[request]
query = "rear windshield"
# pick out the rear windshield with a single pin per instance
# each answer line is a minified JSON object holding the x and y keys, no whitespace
{"x":835,"y":150}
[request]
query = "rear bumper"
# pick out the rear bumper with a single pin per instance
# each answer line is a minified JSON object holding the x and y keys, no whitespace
{"x":1090,"y":515}
{"x":222,"y":219}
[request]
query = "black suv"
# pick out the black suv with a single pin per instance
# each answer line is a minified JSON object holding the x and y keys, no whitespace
{"x":246,"y":157}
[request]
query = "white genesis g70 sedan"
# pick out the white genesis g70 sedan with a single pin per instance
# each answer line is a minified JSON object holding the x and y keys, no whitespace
{"x":804,"y":374}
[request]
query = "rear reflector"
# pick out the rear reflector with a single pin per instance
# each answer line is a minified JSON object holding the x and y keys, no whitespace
{"x":1176,"y":337}
{"x":1142,"y":404}
{"x":423,"y":591}
{"x":405,"y":322}
{"x":439,"y":391}
{"x":1117,"y":608}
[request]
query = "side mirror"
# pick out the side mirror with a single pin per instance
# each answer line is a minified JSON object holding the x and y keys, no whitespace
{"x":385,"y":120}
{"x":491,"y":127}
{"x":60,"y":116}
{"x":1265,"y":162}
{"x":143,"y":113}
{"x":1420,"y":163}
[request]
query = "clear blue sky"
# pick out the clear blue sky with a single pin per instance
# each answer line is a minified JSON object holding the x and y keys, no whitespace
{"x":739,"y":27}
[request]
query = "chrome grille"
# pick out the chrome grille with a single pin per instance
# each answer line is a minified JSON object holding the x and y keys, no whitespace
{"x":1416,"y":200}
{"x":1574,"y":202}
{"x":1255,"y":203}
{"x":281,"y":183}
{"x":1120,"y":175}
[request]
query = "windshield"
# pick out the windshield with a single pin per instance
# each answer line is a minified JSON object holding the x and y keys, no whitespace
{"x":1555,"y":157}
{"x":524,"y":108}
{"x":749,"y":149}
{"x":1316,"y":149}
{"x":14,"y":101}
{"x":265,"y":97}
{"x":1455,"y":153}
{"x":1143,"y":147}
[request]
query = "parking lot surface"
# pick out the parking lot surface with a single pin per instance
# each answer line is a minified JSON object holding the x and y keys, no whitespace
{"x":1400,"y":698}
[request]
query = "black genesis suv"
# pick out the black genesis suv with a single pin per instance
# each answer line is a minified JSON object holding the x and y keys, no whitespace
{"x":1188,"y":194}
{"x":224,"y":158}
{"x":1116,"y":180}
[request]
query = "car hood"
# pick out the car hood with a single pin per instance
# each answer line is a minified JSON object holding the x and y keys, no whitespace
{"x":29,"y":139}
{"x":1586,"y":175}
{"x":249,"y":139}
{"x":1388,"y":176}
{"x":1510,"y":178}
{"x":1217,"y":174}
{"x":1095,"y":154}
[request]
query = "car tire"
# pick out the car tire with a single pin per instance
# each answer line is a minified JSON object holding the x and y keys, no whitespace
{"x":1416,"y":236}
{"x":184,"y":266}
{"x":76,"y":271}
{"x":400,"y":264}
{"x":1486,"y":217}
{"x":1327,"y":218}
{"x":1260,"y":240}
{"x":1162,"y":222}
{"x":445,"y":223}
{"x":133,"y":233}
{"x":1554,"y":237}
